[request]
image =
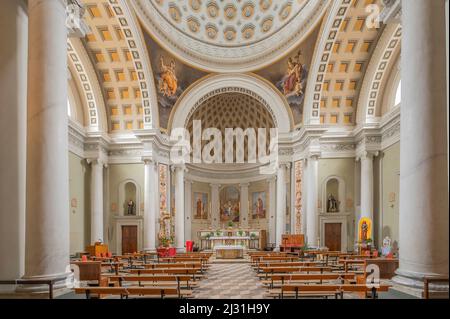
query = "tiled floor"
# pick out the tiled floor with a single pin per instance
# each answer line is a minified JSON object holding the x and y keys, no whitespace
{"x":230,"y":281}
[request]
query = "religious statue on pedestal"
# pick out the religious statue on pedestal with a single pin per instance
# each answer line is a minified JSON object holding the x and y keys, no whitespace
{"x":130,"y":207}
{"x":364,"y":231}
{"x":332,"y":204}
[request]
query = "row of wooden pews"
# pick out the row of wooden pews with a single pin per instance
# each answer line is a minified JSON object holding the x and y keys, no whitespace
{"x":142,"y":275}
{"x":317,"y":274}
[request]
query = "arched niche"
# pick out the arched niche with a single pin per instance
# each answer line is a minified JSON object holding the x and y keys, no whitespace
{"x":335,"y":186}
{"x":129,"y":190}
{"x":259,"y":89}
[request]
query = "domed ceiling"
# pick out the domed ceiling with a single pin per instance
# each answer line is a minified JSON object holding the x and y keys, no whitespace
{"x":232,"y":110}
{"x":225,"y":35}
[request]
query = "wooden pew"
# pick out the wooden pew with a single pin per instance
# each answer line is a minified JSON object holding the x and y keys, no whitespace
{"x":338,"y":290}
{"x":202,"y":260}
{"x":194,"y":265}
{"x":295,"y":278}
{"x":278,"y":270}
{"x":161,"y":292}
{"x":172,"y":271}
{"x":257,"y":260}
{"x":266,"y":271}
{"x":154,"y":280}
{"x":353,"y":262}
{"x":287,"y":264}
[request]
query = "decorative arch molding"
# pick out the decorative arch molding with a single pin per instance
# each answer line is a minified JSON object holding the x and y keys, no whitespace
{"x":136,"y":44}
{"x":392,"y":84}
{"x":341,"y":193}
{"x":74,"y":100}
{"x":377,"y":75}
{"x":122,"y":198}
{"x":322,"y":54}
{"x":89,"y":86}
{"x":210,"y":86}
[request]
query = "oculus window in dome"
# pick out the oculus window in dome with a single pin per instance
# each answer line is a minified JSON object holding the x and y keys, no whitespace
{"x":229,"y":36}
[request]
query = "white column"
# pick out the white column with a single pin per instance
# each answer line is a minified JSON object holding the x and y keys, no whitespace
{"x":150,"y":204}
{"x":47,"y":195}
{"x":188,"y":209}
{"x":424,"y":215}
{"x":244,"y":205}
{"x":366,"y":185}
{"x":272,"y":209}
{"x":179,"y":207}
{"x":281,"y":205}
{"x":312,"y":216}
{"x":13,"y":92}
{"x":215,"y":205}
{"x":304,"y":197}
{"x":96,"y":200}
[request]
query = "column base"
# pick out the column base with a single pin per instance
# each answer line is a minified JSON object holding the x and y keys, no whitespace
{"x":416,"y":280}
{"x":64,"y":281}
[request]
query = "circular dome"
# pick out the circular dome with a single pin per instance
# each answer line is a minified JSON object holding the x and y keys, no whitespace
{"x":226,"y":35}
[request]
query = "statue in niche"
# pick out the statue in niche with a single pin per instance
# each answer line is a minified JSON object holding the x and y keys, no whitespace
{"x":168,"y":82}
{"x":131,"y":207}
{"x":364,"y":231}
{"x":332,"y":204}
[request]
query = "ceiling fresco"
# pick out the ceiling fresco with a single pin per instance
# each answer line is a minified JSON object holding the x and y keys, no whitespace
{"x":172,"y":78}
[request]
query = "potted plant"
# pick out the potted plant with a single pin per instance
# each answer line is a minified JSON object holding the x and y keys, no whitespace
{"x":252,"y":236}
{"x":218,"y":233}
{"x":230,"y":224}
{"x":240,"y":233}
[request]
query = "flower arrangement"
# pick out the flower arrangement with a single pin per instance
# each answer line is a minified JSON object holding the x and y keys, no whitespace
{"x":166,"y":241}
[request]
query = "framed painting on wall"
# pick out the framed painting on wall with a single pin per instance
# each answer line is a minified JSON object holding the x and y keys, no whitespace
{"x":200,"y":205}
{"x":229,"y":204}
{"x":259,"y":205}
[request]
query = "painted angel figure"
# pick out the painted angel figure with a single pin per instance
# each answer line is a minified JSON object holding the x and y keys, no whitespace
{"x":292,"y":83}
{"x":168,"y":83}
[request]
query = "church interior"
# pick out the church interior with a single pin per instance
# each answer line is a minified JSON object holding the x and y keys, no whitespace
{"x":224,"y":149}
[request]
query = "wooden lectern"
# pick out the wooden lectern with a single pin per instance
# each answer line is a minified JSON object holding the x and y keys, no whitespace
{"x":291,"y":243}
{"x":97,"y":249}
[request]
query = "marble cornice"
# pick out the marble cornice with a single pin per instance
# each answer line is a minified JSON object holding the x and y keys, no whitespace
{"x":326,"y":142}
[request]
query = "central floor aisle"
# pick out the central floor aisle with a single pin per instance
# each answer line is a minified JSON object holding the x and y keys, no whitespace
{"x":230,"y":281}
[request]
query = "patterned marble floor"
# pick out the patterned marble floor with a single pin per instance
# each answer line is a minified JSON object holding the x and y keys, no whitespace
{"x":230,"y":281}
